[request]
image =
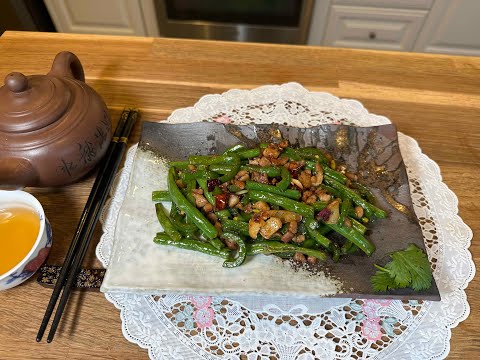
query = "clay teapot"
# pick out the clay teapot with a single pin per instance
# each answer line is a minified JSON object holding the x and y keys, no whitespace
{"x":54,"y":128}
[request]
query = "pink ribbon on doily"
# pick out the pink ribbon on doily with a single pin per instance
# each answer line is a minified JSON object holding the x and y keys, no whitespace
{"x":203,"y":313}
{"x":371,"y":325}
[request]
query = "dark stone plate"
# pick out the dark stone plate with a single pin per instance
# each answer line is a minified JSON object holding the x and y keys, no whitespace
{"x":371,"y":152}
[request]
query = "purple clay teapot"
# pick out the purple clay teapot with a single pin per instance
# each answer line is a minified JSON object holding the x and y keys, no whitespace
{"x":54,"y":128}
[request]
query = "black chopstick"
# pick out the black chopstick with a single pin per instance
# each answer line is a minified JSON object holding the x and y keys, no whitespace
{"x":98,"y":203}
{"x":102,"y":173}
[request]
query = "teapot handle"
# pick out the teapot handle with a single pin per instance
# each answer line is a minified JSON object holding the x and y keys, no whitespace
{"x":67,"y":64}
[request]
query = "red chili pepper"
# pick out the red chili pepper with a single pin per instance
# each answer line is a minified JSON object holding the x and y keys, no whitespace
{"x":221,"y":201}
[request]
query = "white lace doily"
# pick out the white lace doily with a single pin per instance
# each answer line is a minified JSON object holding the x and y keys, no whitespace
{"x":191,"y":327}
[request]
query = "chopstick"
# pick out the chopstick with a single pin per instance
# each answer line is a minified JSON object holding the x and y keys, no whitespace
{"x":88,"y":220}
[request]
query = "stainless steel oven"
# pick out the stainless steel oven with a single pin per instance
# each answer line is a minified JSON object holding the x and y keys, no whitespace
{"x":275,"y":21}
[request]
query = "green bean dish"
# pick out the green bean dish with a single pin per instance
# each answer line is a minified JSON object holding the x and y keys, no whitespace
{"x":271,"y":199}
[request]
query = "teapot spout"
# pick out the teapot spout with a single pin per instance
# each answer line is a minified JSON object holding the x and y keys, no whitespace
{"x":17,"y":172}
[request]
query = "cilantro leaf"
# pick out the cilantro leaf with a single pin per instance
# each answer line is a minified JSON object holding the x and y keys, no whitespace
{"x":382,"y":281}
{"x":408,"y":268}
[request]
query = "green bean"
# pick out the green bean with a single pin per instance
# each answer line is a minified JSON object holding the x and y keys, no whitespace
{"x":231,"y":174}
{"x":311,"y":152}
{"x":223,"y":214}
{"x":202,"y":182}
{"x":189,"y":244}
{"x":222,"y":168}
{"x":291,"y":154}
{"x":319,"y":205}
{"x":161,"y":195}
{"x":336,"y":175}
{"x":233,"y":188}
{"x":355,"y":237}
{"x":284,"y":202}
{"x":190,"y":210}
{"x":234,"y":149}
{"x":310,"y":243}
{"x":191,"y":184}
{"x":311,"y":226}
{"x":286,"y":178}
{"x":327,"y":171}
{"x":245,"y":199}
{"x":235,"y":226}
{"x":244,"y":216}
{"x":167,"y":225}
{"x":211,"y":159}
{"x":357,"y":225}
{"x":345,"y":206}
{"x":289,"y":193}
{"x":348,"y":248}
{"x":187,"y":230}
{"x":186,"y":176}
{"x":272,"y":247}
{"x":251,"y":153}
{"x":357,"y":199}
{"x":323,"y":229}
{"x":332,"y":191}
{"x":216,"y":243}
{"x":364,"y":191}
{"x":241,"y":253}
{"x":271,"y":171}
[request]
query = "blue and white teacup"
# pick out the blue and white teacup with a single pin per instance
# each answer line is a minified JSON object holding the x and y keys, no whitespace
{"x":40,"y":249}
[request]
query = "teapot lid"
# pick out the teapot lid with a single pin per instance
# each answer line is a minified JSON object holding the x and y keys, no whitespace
{"x":31,"y":103}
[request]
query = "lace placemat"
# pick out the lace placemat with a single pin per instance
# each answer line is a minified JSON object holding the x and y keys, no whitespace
{"x":191,"y":327}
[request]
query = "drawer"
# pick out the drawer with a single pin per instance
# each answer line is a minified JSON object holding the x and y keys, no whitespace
{"x":373,"y":28}
{"x":401,"y":4}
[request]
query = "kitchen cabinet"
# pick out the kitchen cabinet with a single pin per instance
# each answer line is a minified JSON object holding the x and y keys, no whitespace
{"x":114,"y":17}
{"x":373,"y":28}
{"x":452,"y":27}
{"x":436,"y":26}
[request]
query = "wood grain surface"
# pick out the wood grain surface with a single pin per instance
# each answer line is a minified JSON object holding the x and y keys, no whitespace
{"x":433,"y":98}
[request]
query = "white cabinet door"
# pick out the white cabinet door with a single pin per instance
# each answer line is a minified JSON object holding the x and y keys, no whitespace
{"x":452,"y":27}
{"x":114,"y":17}
{"x":373,"y":28}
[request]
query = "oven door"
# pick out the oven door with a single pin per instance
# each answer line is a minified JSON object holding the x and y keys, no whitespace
{"x":274,"y":21}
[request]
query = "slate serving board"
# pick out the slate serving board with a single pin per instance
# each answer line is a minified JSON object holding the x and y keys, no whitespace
{"x":371,"y":152}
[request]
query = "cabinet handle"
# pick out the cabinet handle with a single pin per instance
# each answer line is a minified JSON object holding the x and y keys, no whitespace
{"x":372,"y":35}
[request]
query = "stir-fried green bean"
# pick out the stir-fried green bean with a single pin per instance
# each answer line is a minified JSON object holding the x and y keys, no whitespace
{"x":234,"y":149}
{"x":357,"y":199}
{"x":189,"y":244}
{"x":269,"y":170}
{"x":311,"y":226}
{"x":241,"y":253}
{"x":289,"y":193}
{"x":247,"y":154}
{"x":161,"y":195}
{"x":274,"y":216}
{"x":166,"y":223}
{"x":355,"y":237}
{"x":236,"y":226}
{"x":284,"y":202}
{"x":272,"y":247}
{"x":286,"y":178}
{"x":190,"y":210}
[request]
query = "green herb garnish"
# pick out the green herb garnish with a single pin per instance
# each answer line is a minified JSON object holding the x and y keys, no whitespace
{"x":408,"y":268}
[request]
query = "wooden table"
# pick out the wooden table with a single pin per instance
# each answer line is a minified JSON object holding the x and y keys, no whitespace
{"x":433,"y":98}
